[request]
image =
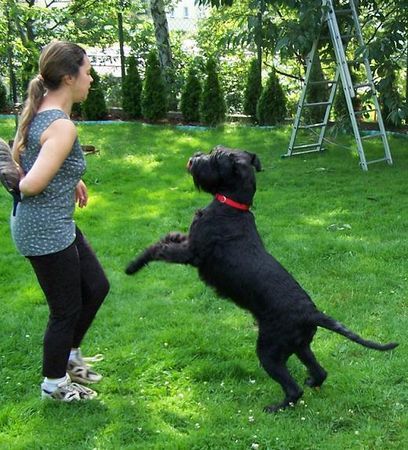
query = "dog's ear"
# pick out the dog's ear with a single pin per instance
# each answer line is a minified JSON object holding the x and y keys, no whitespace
{"x":255,"y":161}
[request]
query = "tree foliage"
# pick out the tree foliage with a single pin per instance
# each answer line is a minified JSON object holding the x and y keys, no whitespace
{"x":271,"y":107}
{"x":94,"y":107}
{"x":3,"y":96}
{"x":191,"y":97}
{"x":290,"y":26}
{"x":213,"y":103}
{"x":132,"y":90}
{"x":154,"y":95}
{"x":253,"y":90}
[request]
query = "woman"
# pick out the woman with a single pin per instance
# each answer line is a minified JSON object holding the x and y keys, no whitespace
{"x":52,"y":164}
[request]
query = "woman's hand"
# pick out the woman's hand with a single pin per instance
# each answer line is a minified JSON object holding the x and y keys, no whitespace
{"x":81,"y":194}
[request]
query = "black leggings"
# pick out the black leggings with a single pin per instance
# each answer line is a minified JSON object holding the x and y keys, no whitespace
{"x":75,"y":286}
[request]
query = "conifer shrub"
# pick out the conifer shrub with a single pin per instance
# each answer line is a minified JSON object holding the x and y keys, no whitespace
{"x":76,"y":111}
{"x":316,"y":93}
{"x":253,"y":89}
{"x":154,"y":94}
{"x":212,"y":108}
{"x":94,"y":107}
{"x":191,"y":96}
{"x":271,"y":108}
{"x":3,"y":96}
{"x":132,"y":91}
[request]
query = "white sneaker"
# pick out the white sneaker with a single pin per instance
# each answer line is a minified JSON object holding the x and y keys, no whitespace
{"x":80,"y":371}
{"x":68,"y":392}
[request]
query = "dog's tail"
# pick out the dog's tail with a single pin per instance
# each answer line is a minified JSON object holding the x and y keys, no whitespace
{"x":322,"y":320}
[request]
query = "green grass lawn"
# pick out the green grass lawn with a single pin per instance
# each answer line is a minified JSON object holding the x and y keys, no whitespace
{"x":180,"y":370}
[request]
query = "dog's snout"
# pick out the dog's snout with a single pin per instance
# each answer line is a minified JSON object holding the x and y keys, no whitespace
{"x":190,"y":162}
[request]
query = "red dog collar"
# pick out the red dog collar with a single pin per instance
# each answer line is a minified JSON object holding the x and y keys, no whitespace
{"x":223,"y":199}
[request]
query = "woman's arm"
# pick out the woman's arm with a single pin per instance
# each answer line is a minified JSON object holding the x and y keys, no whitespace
{"x":56,"y":144}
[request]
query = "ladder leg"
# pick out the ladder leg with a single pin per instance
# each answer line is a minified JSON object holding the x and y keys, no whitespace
{"x":310,"y":59}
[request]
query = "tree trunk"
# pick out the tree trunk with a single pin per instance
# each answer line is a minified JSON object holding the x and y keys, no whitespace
{"x":259,"y":38}
{"x":121,"y":40}
{"x":406,"y":86}
{"x":161,"y":29}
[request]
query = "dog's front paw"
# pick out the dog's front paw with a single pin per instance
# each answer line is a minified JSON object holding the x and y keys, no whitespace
{"x":134,"y":266}
{"x":174,"y":237}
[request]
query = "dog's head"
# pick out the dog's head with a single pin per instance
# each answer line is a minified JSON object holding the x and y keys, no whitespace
{"x":227,"y":171}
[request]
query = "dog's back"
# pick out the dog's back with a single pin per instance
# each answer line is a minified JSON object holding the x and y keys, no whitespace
{"x":234,"y":261}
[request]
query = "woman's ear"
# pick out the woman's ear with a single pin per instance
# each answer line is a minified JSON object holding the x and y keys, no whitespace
{"x":68,"y":79}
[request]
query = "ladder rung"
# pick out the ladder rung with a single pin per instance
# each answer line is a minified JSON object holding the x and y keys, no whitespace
{"x":306,"y":146}
{"x":305,"y":152}
{"x":323,"y":82}
{"x":376,"y":160}
{"x":314,"y":125}
{"x":317,"y":104}
{"x":363,"y":111}
{"x":361,"y":85}
{"x":373,"y":135}
{"x":340,"y":12}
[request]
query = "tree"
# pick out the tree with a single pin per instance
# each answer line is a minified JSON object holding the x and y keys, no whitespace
{"x":3,"y":96}
{"x":316,"y":93}
{"x":212,"y":109}
{"x":132,"y":90}
{"x":154,"y":95}
{"x":271,"y":107}
{"x":191,"y":96}
{"x":296,"y":24}
{"x":94,"y":107}
{"x":253,"y":89}
{"x":162,"y":34}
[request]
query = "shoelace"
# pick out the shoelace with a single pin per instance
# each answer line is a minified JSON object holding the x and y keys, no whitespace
{"x":81,"y":389}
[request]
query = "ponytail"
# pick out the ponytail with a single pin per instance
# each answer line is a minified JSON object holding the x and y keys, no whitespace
{"x":36,"y":90}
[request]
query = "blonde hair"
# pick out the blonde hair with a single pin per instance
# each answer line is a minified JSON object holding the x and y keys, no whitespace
{"x":57,"y":59}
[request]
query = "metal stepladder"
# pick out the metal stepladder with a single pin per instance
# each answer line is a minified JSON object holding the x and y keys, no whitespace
{"x":331,"y":16}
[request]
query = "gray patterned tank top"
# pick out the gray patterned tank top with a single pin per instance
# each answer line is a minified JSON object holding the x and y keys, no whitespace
{"x":44,"y":223}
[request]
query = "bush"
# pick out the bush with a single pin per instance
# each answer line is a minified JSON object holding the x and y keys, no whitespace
{"x":253,"y":89}
{"x":316,"y":93}
{"x":132,"y":91}
{"x":271,"y":108}
{"x":190,"y":97}
{"x":94,"y":107}
{"x":112,"y":90}
{"x":76,"y":111}
{"x":154,"y":95}
{"x":3,"y":97}
{"x":212,"y":109}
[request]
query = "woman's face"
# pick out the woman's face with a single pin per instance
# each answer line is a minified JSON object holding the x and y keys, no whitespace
{"x":82,"y":82}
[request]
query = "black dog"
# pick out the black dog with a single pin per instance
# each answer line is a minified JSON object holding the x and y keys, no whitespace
{"x":223,"y":243}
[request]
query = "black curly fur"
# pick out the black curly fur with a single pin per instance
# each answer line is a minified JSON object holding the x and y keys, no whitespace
{"x":224,"y":244}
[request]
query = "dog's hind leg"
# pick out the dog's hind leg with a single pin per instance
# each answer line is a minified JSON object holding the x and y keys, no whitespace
{"x":273,"y":360}
{"x":317,"y":374}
